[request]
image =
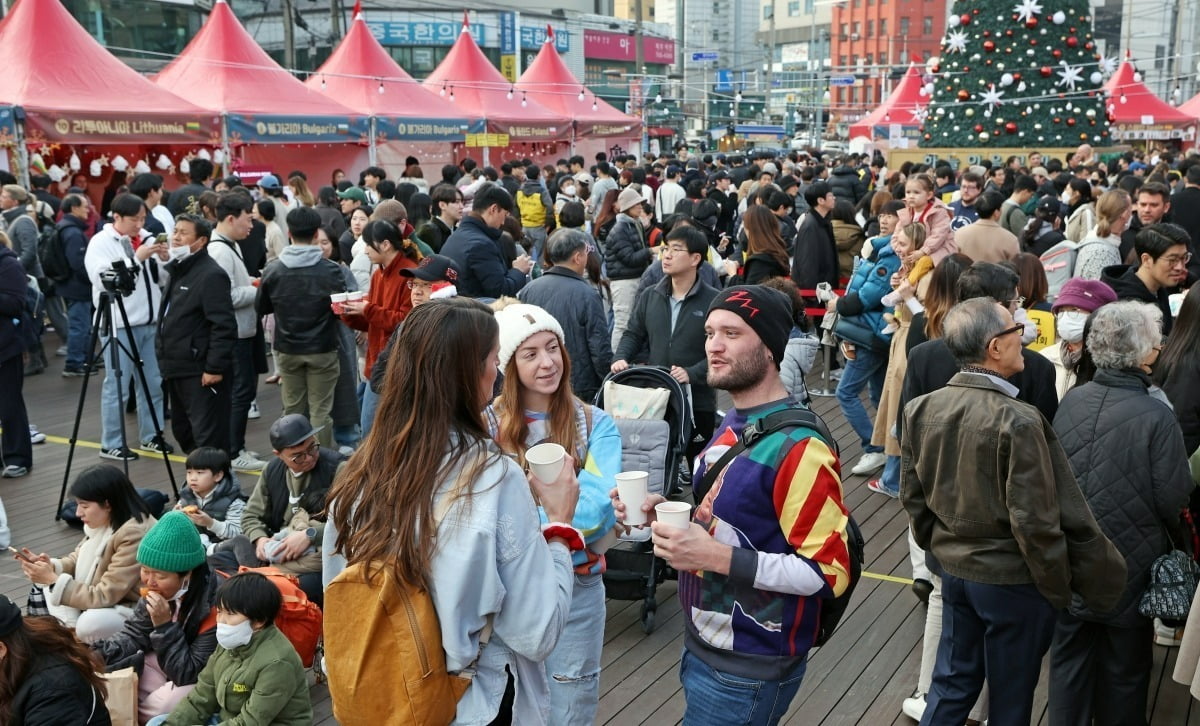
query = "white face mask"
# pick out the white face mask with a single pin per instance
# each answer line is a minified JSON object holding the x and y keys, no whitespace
{"x":234,"y":636}
{"x":183,"y":588}
{"x":182,"y":252}
{"x":1070,"y":325}
{"x":569,"y":191}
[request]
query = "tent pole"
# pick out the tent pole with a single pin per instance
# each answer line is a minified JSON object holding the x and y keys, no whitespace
{"x":371,"y":151}
{"x":227,"y":165}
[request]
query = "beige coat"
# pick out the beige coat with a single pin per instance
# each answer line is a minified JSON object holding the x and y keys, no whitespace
{"x":1186,"y":670}
{"x":986,"y":241}
{"x":893,"y":380}
{"x":117,"y":572}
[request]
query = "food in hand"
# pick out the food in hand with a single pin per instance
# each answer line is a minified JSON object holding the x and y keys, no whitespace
{"x":143,"y":591}
{"x":191,"y":509}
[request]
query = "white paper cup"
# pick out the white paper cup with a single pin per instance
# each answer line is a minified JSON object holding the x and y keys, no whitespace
{"x":356,"y":296}
{"x":631,"y":488}
{"x":337,"y":301}
{"x":674,"y":514}
{"x":546,"y":461}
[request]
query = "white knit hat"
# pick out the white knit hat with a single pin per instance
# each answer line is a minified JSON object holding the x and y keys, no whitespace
{"x":517,"y":323}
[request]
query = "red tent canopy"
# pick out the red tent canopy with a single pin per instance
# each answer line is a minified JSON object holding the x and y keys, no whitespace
{"x":1132,"y":104}
{"x":357,"y":68}
{"x":73,"y":90}
{"x":550,"y":83}
{"x":1192,"y":107}
{"x":223,"y":69}
{"x":476,"y":85}
{"x":904,"y":105}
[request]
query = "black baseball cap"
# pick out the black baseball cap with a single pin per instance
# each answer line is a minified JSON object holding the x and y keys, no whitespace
{"x":290,"y":430}
{"x":433,"y":268}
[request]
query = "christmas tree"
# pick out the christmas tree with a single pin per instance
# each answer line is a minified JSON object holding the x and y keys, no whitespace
{"x":1017,"y":73}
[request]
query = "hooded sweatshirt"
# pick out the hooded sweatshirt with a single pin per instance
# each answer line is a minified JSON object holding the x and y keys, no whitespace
{"x":296,"y":288}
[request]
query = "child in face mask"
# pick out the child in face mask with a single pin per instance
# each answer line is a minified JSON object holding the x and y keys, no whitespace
{"x":1078,"y":299}
{"x":172,"y":631}
{"x":255,"y":674}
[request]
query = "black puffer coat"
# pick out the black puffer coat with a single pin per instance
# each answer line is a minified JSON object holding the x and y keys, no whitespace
{"x":1126,"y":451}
{"x":626,"y":253}
{"x":54,"y":693}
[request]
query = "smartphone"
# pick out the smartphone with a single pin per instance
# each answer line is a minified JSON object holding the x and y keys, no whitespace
{"x":20,"y":555}
{"x":161,"y":238}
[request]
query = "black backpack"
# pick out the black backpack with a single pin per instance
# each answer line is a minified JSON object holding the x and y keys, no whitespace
{"x":832,"y":609}
{"x":53,"y":254}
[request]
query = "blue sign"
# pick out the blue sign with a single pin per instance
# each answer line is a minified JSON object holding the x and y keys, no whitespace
{"x":704,"y":55}
{"x":426,"y":129}
{"x":532,"y":38}
{"x":726,"y":79}
{"x":291,"y":129}
{"x":841,"y":80}
{"x":424,"y":33}
{"x":508,"y":34}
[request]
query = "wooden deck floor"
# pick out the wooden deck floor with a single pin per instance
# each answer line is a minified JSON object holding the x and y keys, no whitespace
{"x":860,"y":677}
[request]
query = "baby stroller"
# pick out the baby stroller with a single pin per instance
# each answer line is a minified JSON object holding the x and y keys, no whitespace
{"x":658,"y":446}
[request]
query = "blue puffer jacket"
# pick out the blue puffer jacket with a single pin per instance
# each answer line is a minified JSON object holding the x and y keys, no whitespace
{"x":871,"y":281}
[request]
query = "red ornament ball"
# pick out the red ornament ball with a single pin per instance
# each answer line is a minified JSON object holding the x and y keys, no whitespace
{"x":1045,"y":71}
{"x":975,"y":11}
{"x":978,"y":128}
{"x":1008,"y":33}
{"x":1011,"y":127}
{"x":963,"y":94}
{"x":1071,"y":122}
{"x":1089,"y":45}
{"x":1072,"y":42}
{"x":964,"y":19}
{"x":928,"y":137}
{"x":987,"y":33}
{"x":996,"y":132}
{"x":1057,"y":119}
{"x":1033,"y":41}
{"x":989,"y":46}
{"x":936,"y":68}
{"x":1056,"y":53}
{"x":1016,"y":76}
{"x":1031,"y":23}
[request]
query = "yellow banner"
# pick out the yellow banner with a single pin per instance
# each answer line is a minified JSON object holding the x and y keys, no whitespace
{"x":508,"y":67}
{"x":1046,"y":336}
{"x":476,"y":141}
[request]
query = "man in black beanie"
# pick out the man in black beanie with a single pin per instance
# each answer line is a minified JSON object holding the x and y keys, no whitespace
{"x":767,"y":543}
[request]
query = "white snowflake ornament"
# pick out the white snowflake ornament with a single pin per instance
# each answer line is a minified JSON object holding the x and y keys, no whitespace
{"x":955,"y":42}
{"x":1027,"y":9}
{"x":991,"y":96}
{"x":1070,"y":75}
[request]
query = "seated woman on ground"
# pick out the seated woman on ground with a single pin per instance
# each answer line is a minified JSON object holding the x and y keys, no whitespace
{"x":172,"y":631}
{"x":95,"y":588}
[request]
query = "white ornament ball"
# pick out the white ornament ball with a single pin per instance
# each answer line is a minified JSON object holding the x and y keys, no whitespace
{"x":1096,"y":78}
{"x":1091,"y":113}
{"x":1059,"y":17}
{"x":1042,"y":31}
{"x":1006,"y":79}
{"x":983,"y":136}
{"x":999,"y":66}
{"x":953,"y":21}
{"x":969,"y":112}
{"x":1021,"y":87}
{"x":1030,"y":52}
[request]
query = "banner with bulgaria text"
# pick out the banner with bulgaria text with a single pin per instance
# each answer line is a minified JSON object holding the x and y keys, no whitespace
{"x":283,"y":129}
{"x":425,"y":129}
{"x":116,"y":128}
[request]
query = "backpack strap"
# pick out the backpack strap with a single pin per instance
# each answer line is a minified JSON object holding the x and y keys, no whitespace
{"x":790,"y":417}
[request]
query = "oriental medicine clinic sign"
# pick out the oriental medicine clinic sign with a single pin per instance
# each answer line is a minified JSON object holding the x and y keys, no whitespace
{"x":602,"y":45}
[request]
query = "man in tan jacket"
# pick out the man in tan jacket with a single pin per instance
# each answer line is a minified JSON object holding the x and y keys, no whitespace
{"x":985,"y":240}
{"x":990,"y":495}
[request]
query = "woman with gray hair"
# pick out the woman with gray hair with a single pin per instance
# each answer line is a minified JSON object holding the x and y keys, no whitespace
{"x":1126,"y":450}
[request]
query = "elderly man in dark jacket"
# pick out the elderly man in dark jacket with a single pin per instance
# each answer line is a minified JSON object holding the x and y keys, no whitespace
{"x":563,"y":292}
{"x":990,"y":493}
{"x":475,"y":248}
{"x":196,"y":334}
{"x":1126,"y":449}
{"x":76,"y":290}
{"x":669,"y":317}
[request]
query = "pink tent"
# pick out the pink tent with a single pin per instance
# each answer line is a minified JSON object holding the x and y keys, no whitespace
{"x":360,"y":74}
{"x":904,"y":106}
{"x":548,"y":82}
{"x":73,"y":90}
{"x":1136,"y":113}
{"x":223,"y":69}
{"x":470,"y":79}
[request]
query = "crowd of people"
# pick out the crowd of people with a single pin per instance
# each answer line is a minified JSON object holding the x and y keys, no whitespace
{"x":424,"y":337}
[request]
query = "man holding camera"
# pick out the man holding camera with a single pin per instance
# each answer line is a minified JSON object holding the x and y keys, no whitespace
{"x":123,"y":242}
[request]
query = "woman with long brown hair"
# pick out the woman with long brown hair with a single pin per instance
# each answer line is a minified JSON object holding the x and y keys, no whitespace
{"x":490,"y":560}
{"x":606,"y":215}
{"x":766,"y":256}
{"x":46,"y":675}
{"x":536,"y":406}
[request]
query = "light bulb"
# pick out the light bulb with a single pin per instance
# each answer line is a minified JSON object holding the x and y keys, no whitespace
{"x":509,"y":94}
{"x":581,"y":94}
{"x":738,"y":97}
{"x":658,"y":98}
{"x":381,"y":87}
{"x":451,"y":94}
{"x":524,"y":103}
{"x":594,"y":104}
{"x":322,"y":83}
{"x":1124,"y":99}
{"x":442,"y":93}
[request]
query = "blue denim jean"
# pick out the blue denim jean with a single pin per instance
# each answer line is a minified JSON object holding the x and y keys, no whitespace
{"x":715,"y":698}
{"x":890,"y":479}
{"x":573,"y":667}
{"x":867,"y":370}
{"x":79,"y":329}
{"x":370,"y":400}
{"x":112,"y":412}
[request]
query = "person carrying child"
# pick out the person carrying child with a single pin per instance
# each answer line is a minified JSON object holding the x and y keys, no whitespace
{"x":906,"y":243}
{"x":923,"y":207}
{"x":255,"y":675}
{"x":172,"y":632}
{"x":213,"y":497}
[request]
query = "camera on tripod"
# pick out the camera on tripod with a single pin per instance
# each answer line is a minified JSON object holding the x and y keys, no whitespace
{"x":119,"y":279}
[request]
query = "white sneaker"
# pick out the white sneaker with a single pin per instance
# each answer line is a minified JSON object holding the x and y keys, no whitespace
{"x":1166,"y":635}
{"x":246,"y":462}
{"x":914,"y":707}
{"x":253,"y":413}
{"x":868,"y":463}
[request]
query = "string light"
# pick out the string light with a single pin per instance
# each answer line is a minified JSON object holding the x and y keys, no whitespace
{"x":580,"y":94}
{"x":509,"y":94}
{"x":322,"y":83}
{"x":381,"y":88}
{"x":594,"y":104}
{"x":452,"y":94}
{"x":442,"y":93}
{"x":524,"y":103}
{"x":658,"y":98}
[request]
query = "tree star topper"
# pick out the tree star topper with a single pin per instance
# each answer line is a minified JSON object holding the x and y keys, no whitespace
{"x":1027,"y":9}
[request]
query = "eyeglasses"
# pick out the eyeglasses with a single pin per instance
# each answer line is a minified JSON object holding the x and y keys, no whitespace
{"x":1019,"y":327}
{"x":1016,"y":302}
{"x":1173,"y":260}
{"x":309,"y":452}
{"x":414,"y":284}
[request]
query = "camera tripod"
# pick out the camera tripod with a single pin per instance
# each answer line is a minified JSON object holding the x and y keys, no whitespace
{"x":103,"y":321}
